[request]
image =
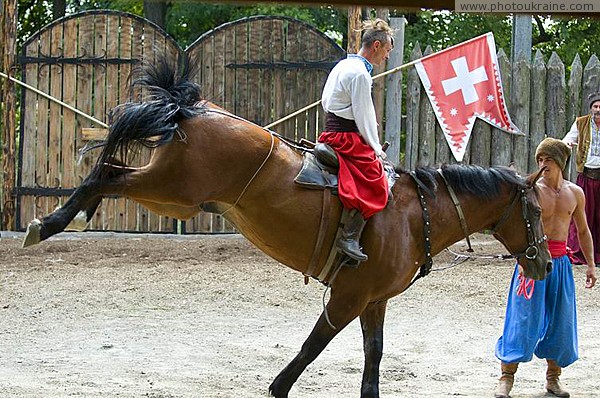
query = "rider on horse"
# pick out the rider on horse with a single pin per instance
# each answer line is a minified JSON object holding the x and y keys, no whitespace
{"x":351,"y":130}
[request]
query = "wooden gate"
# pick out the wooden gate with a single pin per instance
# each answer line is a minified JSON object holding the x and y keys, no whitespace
{"x":260,"y":68}
{"x":264,"y":68}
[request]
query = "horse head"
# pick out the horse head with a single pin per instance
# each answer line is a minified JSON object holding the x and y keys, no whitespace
{"x":522,"y":222}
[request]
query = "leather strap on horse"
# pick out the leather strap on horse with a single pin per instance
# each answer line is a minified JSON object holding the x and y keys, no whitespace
{"x":323,"y":227}
{"x":425,"y":268}
{"x":459,"y":211}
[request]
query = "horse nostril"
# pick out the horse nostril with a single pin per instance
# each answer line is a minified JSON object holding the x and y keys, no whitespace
{"x":549,"y":267}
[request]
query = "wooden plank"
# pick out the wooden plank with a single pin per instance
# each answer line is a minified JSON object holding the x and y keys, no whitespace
{"x":480,"y":145}
{"x":69,"y":73}
{"x":254,"y":74}
{"x":574,"y":103}
{"x":241,"y":38}
{"x":393,"y":102}
{"x":313,"y":92}
{"x":112,"y":89}
{"x":427,"y":124}
{"x":501,"y":141}
{"x":55,"y":116}
{"x":520,"y":94}
{"x":556,"y":118}
{"x":139,"y":52}
{"x":591,"y":81}
{"x":537,"y":124}
{"x":93,"y":133}
{"x":279,"y":55}
{"x":266,"y":86}
{"x":218,"y":68}
{"x":42,"y":124}
{"x":126,"y":52}
{"x":99,"y":109}
{"x":29,"y":138}
{"x":150,"y":41}
{"x":413,"y":99}
{"x":229,"y":73}
{"x":289,"y":90}
{"x":443,"y":154}
{"x":85,"y":45}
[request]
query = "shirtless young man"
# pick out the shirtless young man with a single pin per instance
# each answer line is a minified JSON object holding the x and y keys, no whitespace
{"x":549,"y":327}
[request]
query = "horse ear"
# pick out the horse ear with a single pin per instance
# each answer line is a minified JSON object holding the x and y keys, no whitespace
{"x":532,"y":178}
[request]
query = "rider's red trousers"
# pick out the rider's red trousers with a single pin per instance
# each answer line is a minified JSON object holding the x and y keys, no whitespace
{"x":362,"y":183}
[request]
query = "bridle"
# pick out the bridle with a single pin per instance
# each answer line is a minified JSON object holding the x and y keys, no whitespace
{"x":532,"y":251}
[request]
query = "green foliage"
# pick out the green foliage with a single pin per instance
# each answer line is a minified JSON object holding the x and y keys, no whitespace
{"x":567,"y":37}
{"x":187,"y":21}
{"x":442,"y":29}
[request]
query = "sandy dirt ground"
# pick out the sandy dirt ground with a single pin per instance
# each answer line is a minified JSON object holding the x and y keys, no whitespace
{"x":109,"y":315}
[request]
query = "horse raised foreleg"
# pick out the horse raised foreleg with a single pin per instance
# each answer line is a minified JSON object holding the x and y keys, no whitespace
{"x":341,"y":314}
{"x":371,"y":321}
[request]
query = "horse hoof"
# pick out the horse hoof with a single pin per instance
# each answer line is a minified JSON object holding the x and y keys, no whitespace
{"x":79,"y":223}
{"x":33,"y":234}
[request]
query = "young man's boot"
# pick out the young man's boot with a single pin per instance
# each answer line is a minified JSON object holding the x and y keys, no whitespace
{"x":506,"y":380}
{"x":348,"y":242}
{"x":553,"y":385}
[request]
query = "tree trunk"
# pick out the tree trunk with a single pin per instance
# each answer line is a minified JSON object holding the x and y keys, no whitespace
{"x":59,"y":8}
{"x":7,"y":138}
{"x":156,"y":11}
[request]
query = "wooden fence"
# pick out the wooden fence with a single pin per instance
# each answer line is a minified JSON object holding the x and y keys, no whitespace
{"x":83,"y":60}
{"x":260,"y":68}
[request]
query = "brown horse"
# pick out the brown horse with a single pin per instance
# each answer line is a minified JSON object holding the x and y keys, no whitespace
{"x":204,"y":156}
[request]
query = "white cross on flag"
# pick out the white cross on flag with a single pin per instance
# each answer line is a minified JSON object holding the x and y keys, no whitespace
{"x":463,"y":83}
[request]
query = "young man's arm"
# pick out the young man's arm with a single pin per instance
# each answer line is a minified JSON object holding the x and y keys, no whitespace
{"x":585,"y":237}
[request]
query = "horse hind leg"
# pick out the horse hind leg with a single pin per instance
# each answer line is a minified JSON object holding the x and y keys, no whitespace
{"x":79,"y":209}
{"x":371,"y":321}
{"x":84,"y":197}
{"x":316,"y":342}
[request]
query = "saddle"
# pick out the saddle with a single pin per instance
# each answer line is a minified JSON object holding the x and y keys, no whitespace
{"x":319,"y":171}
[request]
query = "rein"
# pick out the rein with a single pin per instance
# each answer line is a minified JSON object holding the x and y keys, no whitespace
{"x":459,"y":211}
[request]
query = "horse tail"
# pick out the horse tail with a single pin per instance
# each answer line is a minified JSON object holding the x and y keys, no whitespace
{"x":169,"y":96}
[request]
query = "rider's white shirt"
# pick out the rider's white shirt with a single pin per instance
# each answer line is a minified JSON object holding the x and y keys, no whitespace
{"x":347,"y":93}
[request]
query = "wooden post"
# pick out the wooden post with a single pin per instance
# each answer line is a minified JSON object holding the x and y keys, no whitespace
{"x":378,"y":90}
{"x":520,"y":95}
{"x":537,"y":118}
{"x":354,"y":23}
{"x":556,"y":119}
{"x":502,"y":141}
{"x":393,"y":104}
{"x":413,"y":99}
{"x":7,"y":137}
{"x":521,"y":38}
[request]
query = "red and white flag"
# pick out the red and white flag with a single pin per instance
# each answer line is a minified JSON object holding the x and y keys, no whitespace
{"x":463,"y":83}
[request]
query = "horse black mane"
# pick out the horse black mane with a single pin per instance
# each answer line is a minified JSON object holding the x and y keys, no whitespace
{"x":475,"y":180}
{"x":169,"y":96}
